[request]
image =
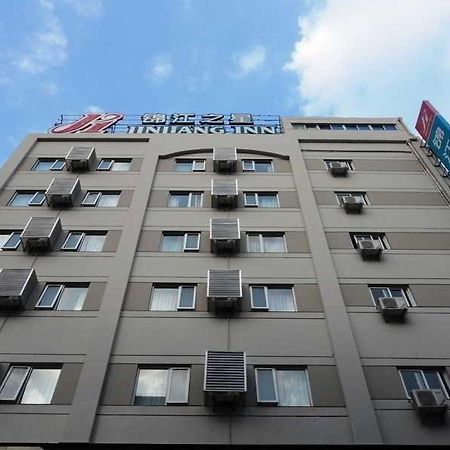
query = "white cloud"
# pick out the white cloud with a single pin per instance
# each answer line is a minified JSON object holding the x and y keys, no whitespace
{"x":249,"y":61}
{"x":94,"y":109}
{"x":47,"y":47}
{"x":87,"y":8}
{"x":49,"y":88}
{"x":365,"y":57}
{"x":160,"y":69}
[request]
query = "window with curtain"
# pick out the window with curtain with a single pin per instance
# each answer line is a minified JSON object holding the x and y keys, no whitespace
{"x":173,"y":298}
{"x":180,"y":242}
{"x":261,"y":199}
{"x":62,"y":298}
{"x":282,"y":387}
{"x":273,"y":298}
{"x":185,"y":199}
{"x":266,"y":242}
{"x":159,"y":387}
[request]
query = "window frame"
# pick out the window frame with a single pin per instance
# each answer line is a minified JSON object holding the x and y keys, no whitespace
{"x":99,"y":195}
{"x":407,"y":295}
{"x":53,"y":166}
{"x":57,"y":299}
{"x":169,"y":377}
{"x":193,"y":162}
{"x":179,"y":288}
{"x":266,"y":288}
{"x":253,"y":165}
{"x":445,"y":386}
{"x":112,"y":161}
{"x":257,"y":194}
{"x":185,"y":237}
{"x":31,"y":201}
{"x":261,"y":237}
{"x":189,"y":194}
{"x":275,"y":381}
{"x":4,"y":247}
{"x":73,"y":248}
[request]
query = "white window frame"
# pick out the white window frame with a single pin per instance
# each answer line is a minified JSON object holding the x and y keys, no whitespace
{"x":189,"y":194}
{"x":442,"y":379}
{"x":194,"y":163}
{"x":275,"y":383}
{"x":185,"y":237}
{"x":32,"y":199}
{"x":407,"y":295}
{"x":169,"y":377}
{"x":379,"y":237}
{"x":253,"y":165}
{"x":180,"y":290}
{"x":97,"y":198}
{"x":359,"y":194}
{"x":257,"y":194}
{"x":11,"y":248}
{"x":261,"y":237}
{"x":266,"y":295}
{"x":77,"y":246}
{"x":55,"y":300}
{"x":347,"y":162}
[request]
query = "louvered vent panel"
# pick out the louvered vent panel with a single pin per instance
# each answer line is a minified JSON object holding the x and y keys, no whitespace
{"x":425,"y":397}
{"x":14,"y":282}
{"x":40,"y":227}
{"x":224,"y":284}
{"x":62,"y":186}
{"x":225,"y":372}
{"x":224,"y":186}
{"x":225,"y":228}
{"x":224,"y":154}
{"x":79,"y":153}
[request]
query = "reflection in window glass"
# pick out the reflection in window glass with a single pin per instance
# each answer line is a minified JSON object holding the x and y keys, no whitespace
{"x":292,"y":387}
{"x":92,"y":243}
{"x":151,"y":387}
{"x":121,"y":166}
{"x":72,"y":298}
{"x":268,"y":200}
{"x":12,"y":384}
{"x":171,"y":243}
{"x":40,"y":386}
{"x":108,"y":200}
{"x":164,"y":299}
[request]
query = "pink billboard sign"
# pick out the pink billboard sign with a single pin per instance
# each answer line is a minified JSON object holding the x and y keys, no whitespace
{"x":426,"y":118}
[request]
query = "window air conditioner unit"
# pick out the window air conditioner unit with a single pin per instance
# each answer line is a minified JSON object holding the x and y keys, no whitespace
{"x":224,"y":193}
{"x":80,"y":159}
{"x":225,"y":235}
{"x":224,"y":291}
{"x":352,"y":204}
{"x":16,"y":286}
{"x":370,"y":249}
{"x":225,"y":159}
{"x":338,"y":168}
{"x":41,"y":234}
{"x":225,"y":379}
{"x":393,"y":307}
{"x":429,"y":402}
{"x":62,"y":192}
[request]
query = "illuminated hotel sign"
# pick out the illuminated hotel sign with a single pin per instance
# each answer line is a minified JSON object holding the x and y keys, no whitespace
{"x":177,"y":123}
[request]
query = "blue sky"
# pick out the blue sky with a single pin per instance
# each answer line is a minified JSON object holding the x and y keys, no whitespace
{"x":287,"y":57}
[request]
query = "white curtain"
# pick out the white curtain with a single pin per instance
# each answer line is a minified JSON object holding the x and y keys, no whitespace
{"x":273,"y":244}
{"x":93,"y":243}
{"x":196,"y":200}
{"x":72,"y":299}
{"x":109,"y":200}
{"x":292,"y":388}
{"x":253,"y":243}
{"x":267,"y":201}
{"x":179,"y":200}
{"x":164,"y":299}
{"x":151,"y":387}
{"x":281,"y":299}
{"x":172,"y":243}
{"x":40,"y":386}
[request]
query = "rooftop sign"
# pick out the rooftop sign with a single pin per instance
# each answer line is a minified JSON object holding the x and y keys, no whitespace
{"x":435,"y":130}
{"x":177,"y":123}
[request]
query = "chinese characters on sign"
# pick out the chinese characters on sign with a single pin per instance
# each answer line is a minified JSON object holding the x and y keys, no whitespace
{"x":179,"y":123}
{"x":435,"y":130}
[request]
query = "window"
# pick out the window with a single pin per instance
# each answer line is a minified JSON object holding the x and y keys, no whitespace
{"x":115,"y":165}
{"x":27,"y":385}
{"x":47,"y":164}
{"x":101,"y":199}
{"x":273,"y":298}
{"x":423,"y":379}
{"x":347,"y":162}
{"x":185,"y":199}
{"x":266,"y":243}
{"x":380,"y":237}
{"x":62,"y":298}
{"x":257,"y":165}
{"x":173,"y":298}
{"x":158,"y":387}
{"x":9,"y":241}
{"x":180,"y":242}
{"x":29,"y":198}
{"x":360,"y":196}
{"x":378,"y":292}
{"x":78,"y":241}
{"x":190,"y":165}
{"x":282,"y":387}
{"x":261,"y":199}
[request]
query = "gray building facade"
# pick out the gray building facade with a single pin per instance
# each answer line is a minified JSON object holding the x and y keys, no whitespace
{"x":108,"y":345}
